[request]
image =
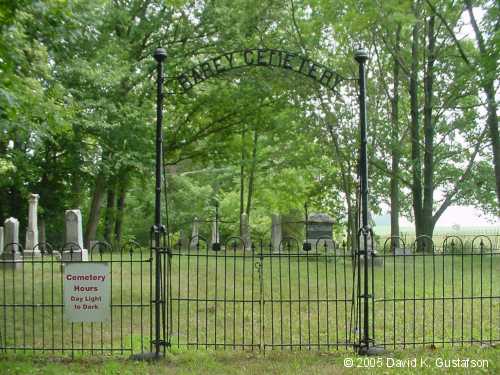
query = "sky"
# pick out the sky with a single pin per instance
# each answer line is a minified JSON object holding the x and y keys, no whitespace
{"x":464,"y":216}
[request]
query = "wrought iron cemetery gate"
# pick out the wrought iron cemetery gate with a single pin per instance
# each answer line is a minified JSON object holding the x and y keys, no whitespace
{"x":238,"y":295}
{"x":256,"y":297}
{"x":163,"y":254}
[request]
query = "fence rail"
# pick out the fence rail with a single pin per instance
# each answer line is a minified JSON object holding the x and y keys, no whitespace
{"x":254,"y":298}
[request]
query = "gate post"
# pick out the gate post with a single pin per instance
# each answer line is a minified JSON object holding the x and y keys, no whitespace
{"x":361,"y":56}
{"x":157,"y":230}
{"x":160,"y":55}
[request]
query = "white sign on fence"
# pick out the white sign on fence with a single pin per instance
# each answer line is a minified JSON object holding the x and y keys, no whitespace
{"x":86,"y":292}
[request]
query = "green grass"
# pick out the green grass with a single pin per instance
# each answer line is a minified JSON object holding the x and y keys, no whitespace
{"x":238,"y":362}
{"x":236,"y":300}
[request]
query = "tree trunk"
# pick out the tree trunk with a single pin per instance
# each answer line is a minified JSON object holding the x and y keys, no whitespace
{"x":42,"y":236}
{"x":488,"y":85}
{"x":492,"y":121}
{"x":345,"y":171}
{"x":427,"y":220}
{"x":76,"y":177}
{"x":251,"y":176}
{"x":120,"y":206}
{"x":416,"y":188}
{"x":396,"y":152}
{"x":110,"y":210}
{"x":351,"y":224}
{"x":95,"y":207}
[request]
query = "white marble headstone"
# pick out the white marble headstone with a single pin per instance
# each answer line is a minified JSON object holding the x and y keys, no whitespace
{"x":11,"y":234}
{"x":276,"y":232}
{"x":215,"y":233}
{"x":32,"y":230}
{"x":74,"y":229}
{"x":194,"y":234}
{"x":11,"y":242}
{"x":73,"y":247}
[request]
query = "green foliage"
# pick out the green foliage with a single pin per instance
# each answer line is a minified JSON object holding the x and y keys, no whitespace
{"x":77,"y":102}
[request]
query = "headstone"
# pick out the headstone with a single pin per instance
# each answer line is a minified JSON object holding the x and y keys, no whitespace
{"x":73,"y":247}
{"x":31,"y":249}
{"x":215,"y":239}
{"x":194,"y":234}
{"x":402,"y":251}
{"x":276,"y":232}
{"x":245,"y":231}
{"x":319,"y":232}
{"x":94,"y":246}
{"x":1,"y":240}
{"x":183,"y":239}
{"x":373,"y":257}
{"x":11,"y":252}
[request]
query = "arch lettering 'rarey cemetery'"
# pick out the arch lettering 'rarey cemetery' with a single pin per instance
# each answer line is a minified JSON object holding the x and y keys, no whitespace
{"x":259,"y":57}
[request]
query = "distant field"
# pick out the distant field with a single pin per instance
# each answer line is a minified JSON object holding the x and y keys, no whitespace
{"x":384,"y":230}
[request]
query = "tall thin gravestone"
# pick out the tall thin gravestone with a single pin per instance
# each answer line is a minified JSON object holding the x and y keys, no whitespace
{"x":193,"y":243}
{"x":215,"y":243}
{"x":245,"y":231}
{"x":183,"y":240}
{"x":11,"y":253}
{"x":373,"y":257}
{"x":73,"y":247}
{"x":31,"y":249}
{"x":276,"y":232}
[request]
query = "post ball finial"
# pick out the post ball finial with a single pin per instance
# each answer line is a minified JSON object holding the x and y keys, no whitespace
{"x":361,"y":55}
{"x":160,"y":54}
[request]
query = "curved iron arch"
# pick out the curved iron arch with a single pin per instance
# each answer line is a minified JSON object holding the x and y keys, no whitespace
{"x":258,"y":57}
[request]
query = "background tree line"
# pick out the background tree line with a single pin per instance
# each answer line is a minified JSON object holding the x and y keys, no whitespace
{"x":77,"y":111}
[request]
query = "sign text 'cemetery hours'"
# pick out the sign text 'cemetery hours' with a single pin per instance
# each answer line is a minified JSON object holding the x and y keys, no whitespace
{"x":86,"y":292}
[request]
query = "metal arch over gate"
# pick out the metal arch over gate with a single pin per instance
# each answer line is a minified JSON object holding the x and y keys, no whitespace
{"x":221,"y":64}
{"x":258,"y":57}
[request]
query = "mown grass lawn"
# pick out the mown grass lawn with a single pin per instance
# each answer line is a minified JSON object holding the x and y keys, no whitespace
{"x":207,"y":362}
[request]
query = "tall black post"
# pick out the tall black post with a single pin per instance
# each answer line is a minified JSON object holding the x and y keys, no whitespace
{"x":361,"y":57}
{"x":306,"y":246}
{"x":216,"y":246}
{"x":160,"y":55}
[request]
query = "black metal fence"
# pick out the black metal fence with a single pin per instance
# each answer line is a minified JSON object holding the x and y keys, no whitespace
{"x":256,"y":298}
{"x":444,"y":294}
{"x":421,"y":294}
{"x":32,"y":315}
{"x":259,"y":299}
